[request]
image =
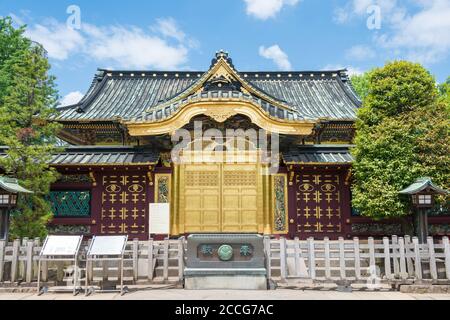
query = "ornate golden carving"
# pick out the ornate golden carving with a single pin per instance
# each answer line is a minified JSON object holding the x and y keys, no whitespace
{"x":220,"y":115}
{"x":221,"y":108}
{"x":280,"y":203}
{"x":222,"y":69}
{"x":163,"y":187}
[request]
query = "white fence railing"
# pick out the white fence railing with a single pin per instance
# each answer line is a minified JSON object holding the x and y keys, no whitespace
{"x":394,"y":260}
{"x":399,"y":259}
{"x":143,"y":261}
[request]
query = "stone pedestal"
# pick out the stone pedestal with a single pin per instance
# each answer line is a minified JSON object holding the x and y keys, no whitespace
{"x":225,"y":261}
{"x":237,"y":282}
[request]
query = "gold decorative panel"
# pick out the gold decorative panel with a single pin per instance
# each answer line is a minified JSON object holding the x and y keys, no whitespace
{"x":221,"y":198}
{"x":280,"y":203}
{"x":124,"y":205}
{"x":319,"y":203}
{"x":162,"y":187}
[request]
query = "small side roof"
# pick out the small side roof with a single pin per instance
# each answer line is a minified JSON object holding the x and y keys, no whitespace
{"x":421,"y":184}
{"x":12,"y":185}
{"x":318,"y":154}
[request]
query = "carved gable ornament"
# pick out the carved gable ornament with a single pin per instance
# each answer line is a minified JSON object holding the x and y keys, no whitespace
{"x":221,"y":114}
{"x":222,"y":93}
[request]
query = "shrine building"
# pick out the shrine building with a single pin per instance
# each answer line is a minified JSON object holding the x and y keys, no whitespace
{"x":120,"y":158}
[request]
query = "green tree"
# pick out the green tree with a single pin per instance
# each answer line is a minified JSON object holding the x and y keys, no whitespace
{"x":361,"y":84}
{"x":402,"y":133}
{"x":28,"y":97}
{"x":398,"y":87}
{"x":444,"y":92}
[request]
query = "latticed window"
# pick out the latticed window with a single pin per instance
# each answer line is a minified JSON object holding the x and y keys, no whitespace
{"x":70,"y":203}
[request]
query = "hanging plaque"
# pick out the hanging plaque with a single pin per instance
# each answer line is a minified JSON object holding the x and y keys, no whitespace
{"x":159,"y":218}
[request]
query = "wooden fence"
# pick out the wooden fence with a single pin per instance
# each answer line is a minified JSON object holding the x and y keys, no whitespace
{"x":144,"y":261}
{"x":395,"y":260}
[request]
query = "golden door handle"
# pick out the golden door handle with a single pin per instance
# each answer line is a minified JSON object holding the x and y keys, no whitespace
{"x":291,"y":221}
{"x":93,"y":222}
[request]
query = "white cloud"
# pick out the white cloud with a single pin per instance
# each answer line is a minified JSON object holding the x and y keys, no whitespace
{"x":421,"y":35}
{"x":71,"y":98}
{"x":168,"y":27}
{"x":351,"y":71}
{"x":265,"y":9}
{"x":360,"y":52}
{"x":16,"y":19}
{"x":357,"y":8}
{"x":133,"y":48}
{"x":424,"y":36}
{"x":57,"y":39}
{"x":163,"y":46}
{"x":277,"y":55}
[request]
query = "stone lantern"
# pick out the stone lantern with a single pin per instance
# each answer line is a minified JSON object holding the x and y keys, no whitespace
{"x":422,"y":193}
{"x":9,"y":192}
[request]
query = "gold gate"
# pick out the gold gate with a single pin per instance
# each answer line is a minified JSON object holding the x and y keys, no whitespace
{"x":221,"y":197}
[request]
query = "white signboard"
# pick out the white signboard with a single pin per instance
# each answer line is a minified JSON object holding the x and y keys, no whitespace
{"x":159,"y":218}
{"x":107,"y":245}
{"x":61,"y":246}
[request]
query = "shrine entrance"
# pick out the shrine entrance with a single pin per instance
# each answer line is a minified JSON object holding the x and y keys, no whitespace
{"x":221,"y":197}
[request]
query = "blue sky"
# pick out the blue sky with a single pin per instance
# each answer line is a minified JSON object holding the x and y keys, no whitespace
{"x":259,"y":34}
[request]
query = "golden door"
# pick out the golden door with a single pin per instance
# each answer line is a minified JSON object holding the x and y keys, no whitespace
{"x":221,"y":198}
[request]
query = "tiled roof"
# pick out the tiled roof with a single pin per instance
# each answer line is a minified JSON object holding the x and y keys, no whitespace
{"x":167,"y":111}
{"x":317,"y":154}
{"x":130,"y":94}
{"x":100,"y":155}
{"x":422,"y":184}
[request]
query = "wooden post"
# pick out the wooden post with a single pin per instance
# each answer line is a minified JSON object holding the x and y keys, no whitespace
{"x":15,"y":260}
{"x":44,"y":271}
{"x":341,"y":258}
{"x":357,"y":258}
{"x":150,"y":261}
{"x":387,"y":257}
{"x":447,"y":256}
{"x":2,"y":258}
{"x":135,"y":259}
{"x":312,"y":259}
{"x":371,"y":252}
{"x":297,"y":252}
{"x":90,"y":265}
{"x":105,"y":270}
{"x":166,"y":259}
{"x":395,"y":255}
{"x":326,"y":244}
{"x":283,"y":257}
{"x":29,"y":264}
{"x":37,"y":243}
{"x":268,"y":256}
{"x":417,"y":261}
{"x":403,"y":272}
{"x":181,"y":258}
{"x":433,"y":269}
{"x":409,"y":262}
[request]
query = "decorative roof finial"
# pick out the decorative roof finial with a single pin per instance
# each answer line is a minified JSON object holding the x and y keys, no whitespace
{"x":222,"y":54}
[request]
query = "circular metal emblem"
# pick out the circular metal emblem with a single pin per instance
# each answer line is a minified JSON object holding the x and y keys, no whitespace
{"x":225,"y":252}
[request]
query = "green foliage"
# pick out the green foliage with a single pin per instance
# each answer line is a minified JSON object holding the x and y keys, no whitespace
{"x":399,"y":86}
{"x":402,"y":134}
{"x":444,"y":92}
{"x":27,"y":98}
{"x":361,"y":84}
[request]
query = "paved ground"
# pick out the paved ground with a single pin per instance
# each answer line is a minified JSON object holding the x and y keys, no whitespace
{"x":280,"y":294}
